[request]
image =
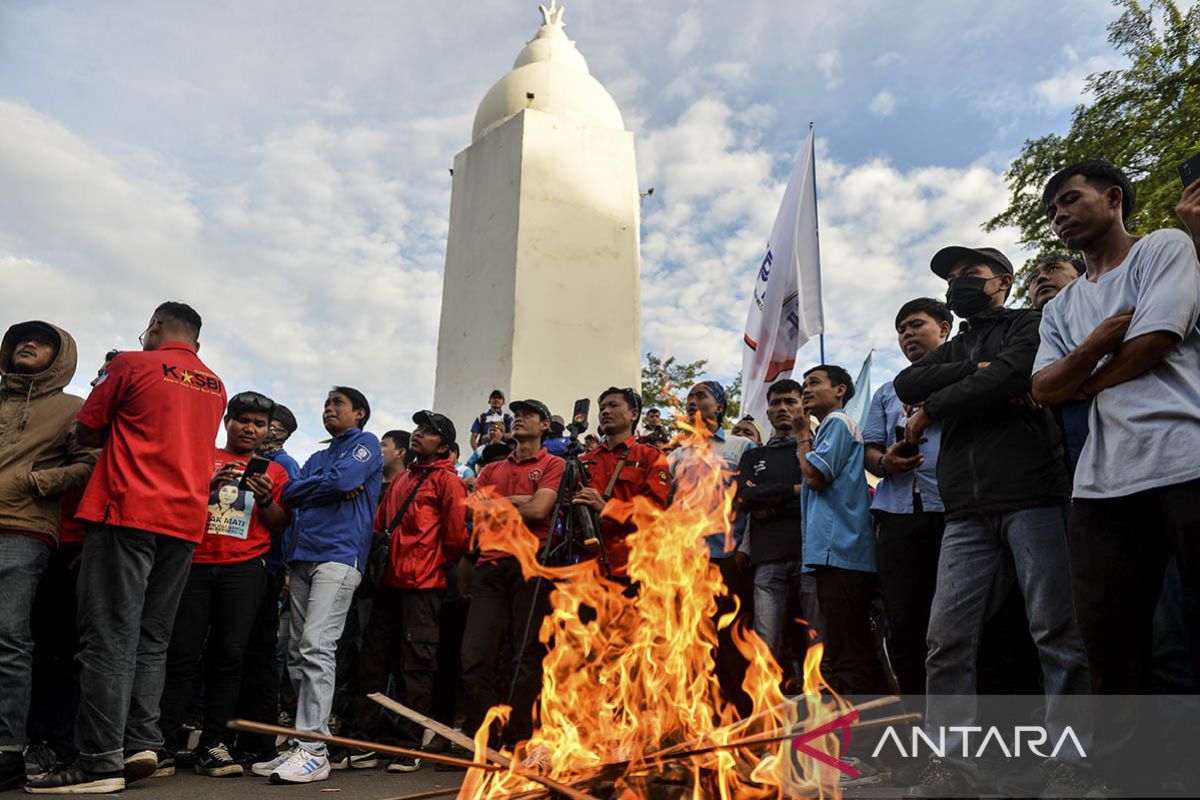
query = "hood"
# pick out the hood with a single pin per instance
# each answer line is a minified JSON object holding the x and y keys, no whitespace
{"x":52,"y":379}
{"x":446,"y":464}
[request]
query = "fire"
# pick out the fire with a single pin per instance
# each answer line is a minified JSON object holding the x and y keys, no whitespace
{"x":626,"y":678}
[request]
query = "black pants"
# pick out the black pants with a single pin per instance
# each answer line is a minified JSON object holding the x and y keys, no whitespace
{"x":217,"y":612}
{"x":401,"y":636}
{"x":845,"y":599}
{"x":55,"y":696}
{"x":501,"y":600}
{"x":258,"y":697}
{"x":1119,"y":549}
{"x":906,"y":553}
{"x":730,"y":663}
{"x":453,"y":622}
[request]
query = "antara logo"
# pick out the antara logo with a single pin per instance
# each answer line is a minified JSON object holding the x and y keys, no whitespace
{"x":1031,"y":736}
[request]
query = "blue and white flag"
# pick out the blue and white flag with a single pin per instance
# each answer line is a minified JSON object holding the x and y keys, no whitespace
{"x":858,"y":406}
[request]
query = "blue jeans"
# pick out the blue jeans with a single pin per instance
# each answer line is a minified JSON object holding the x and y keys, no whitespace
{"x":776,"y":585}
{"x":973,"y":552}
{"x":23,"y":559}
{"x":321,"y":594}
{"x":128,"y":590}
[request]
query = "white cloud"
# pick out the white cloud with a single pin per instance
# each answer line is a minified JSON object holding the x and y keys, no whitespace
{"x":687,"y":36}
{"x":828,"y":64}
{"x":1067,"y":87}
{"x":884,"y":104}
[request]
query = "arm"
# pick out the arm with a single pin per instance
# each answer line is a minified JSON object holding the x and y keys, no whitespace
{"x":268,"y":496}
{"x":822,"y":459}
{"x":537,"y":507}
{"x":936,"y":370}
{"x":340,"y":476}
{"x":90,"y":437}
{"x":1007,"y":374}
{"x":1063,"y":379}
{"x":74,"y":475}
{"x":1133,"y":358}
{"x":1189,"y":211}
{"x":455,"y":539}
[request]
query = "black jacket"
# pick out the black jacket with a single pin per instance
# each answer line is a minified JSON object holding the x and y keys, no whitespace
{"x":996,"y":455}
{"x":771,"y":507}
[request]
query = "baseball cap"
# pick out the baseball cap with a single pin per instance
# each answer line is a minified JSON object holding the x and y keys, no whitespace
{"x":536,"y":406}
{"x":948,"y":258}
{"x":439,"y":422}
{"x":285,"y":417}
{"x":36,"y":330}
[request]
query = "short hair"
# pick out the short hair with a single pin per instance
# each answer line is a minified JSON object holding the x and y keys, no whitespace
{"x":784,"y":386}
{"x":653,"y":411}
{"x":925,"y":305}
{"x":358,"y":401}
{"x":181,"y":314}
{"x":1098,"y":172}
{"x":453,"y":448}
{"x":496,"y":393}
{"x":399,"y":439}
{"x":632,"y":399}
{"x":1046,"y":259}
{"x":838,"y":376}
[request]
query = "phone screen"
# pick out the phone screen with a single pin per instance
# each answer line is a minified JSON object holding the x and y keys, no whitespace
{"x":1189,"y":170}
{"x":256,"y":466}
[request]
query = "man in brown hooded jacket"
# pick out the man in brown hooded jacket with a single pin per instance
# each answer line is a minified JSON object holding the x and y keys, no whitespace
{"x":39,"y":460}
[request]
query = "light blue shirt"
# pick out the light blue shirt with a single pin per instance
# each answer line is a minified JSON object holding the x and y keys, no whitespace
{"x":838,"y":530}
{"x":730,"y":448}
{"x":1144,"y":433}
{"x":894,"y":493}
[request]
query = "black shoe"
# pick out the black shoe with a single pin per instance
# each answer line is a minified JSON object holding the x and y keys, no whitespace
{"x":345,"y":758}
{"x":12,"y":770}
{"x":216,"y":762}
{"x":404,"y":764}
{"x":139,"y":764}
{"x":458,"y":752}
{"x":40,"y":759}
{"x":939,"y":779}
{"x":166,"y":765}
{"x":73,"y":780}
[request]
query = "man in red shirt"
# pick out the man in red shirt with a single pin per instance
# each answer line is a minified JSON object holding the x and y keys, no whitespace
{"x":156,"y":414}
{"x":224,"y":588}
{"x":503,"y":603}
{"x":621,"y":468}
{"x":424,"y":516}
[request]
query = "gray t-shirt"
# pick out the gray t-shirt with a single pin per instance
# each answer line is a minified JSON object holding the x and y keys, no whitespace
{"x":1143,"y":433}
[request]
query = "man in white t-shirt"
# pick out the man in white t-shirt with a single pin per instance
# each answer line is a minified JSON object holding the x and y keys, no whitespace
{"x":1125,"y":337}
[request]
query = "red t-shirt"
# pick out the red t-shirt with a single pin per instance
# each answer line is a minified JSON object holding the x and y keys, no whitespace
{"x":70,"y":530}
{"x":511,"y":477}
{"x":234,"y":532}
{"x":645,"y":472}
{"x":162,"y":409}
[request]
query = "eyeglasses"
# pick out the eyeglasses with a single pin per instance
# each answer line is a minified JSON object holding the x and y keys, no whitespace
{"x":252,"y":400}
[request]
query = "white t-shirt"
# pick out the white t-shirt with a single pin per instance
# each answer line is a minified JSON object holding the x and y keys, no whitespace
{"x":1143,"y":433}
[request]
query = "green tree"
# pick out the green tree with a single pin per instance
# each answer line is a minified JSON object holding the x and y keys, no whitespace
{"x":1144,"y":117}
{"x":733,"y":405}
{"x":665,"y":382}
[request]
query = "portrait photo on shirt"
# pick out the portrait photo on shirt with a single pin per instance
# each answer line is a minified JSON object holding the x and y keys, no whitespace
{"x":230,"y":510}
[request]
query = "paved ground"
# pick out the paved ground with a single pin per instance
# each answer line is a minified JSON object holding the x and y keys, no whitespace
{"x":360,"y":784}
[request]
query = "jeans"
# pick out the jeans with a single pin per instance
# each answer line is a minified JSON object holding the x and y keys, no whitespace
{"x":212,"y":626}
{"x":782,"y":588}
{"x":503,"y":604}
{"x":402,"y":637}
{"x":851,"y":666}
{"x":974,"y":551}
{"x":23,"y":559}
{"x":907,"y":556}
{"x":55,"y":696}
{"x":321,"y":593}
{"x":258,"y":696}
{"x":129,"y":587}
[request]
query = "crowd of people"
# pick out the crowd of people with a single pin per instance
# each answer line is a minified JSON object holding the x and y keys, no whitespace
{"x":1034,"y":489}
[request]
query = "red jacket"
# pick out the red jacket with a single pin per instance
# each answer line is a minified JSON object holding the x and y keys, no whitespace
{"x":433,"y":533}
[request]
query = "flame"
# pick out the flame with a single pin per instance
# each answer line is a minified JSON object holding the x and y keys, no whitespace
{"x":626,"y":678}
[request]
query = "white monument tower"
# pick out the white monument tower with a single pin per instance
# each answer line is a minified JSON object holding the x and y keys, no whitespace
{"x":542,"y":264}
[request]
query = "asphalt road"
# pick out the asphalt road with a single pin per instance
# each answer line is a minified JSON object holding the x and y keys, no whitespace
{"x":359,"y":784}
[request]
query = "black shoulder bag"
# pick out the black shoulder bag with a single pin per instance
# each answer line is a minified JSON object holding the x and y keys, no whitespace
{"x":379,"y":558}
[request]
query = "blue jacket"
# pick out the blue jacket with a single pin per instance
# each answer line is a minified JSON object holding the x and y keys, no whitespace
{"x":326,"y":526}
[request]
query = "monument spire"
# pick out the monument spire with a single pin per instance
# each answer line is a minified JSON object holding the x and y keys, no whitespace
{"x":553,"y":15}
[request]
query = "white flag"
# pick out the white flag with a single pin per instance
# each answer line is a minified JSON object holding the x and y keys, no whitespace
{"x":785,"y":310}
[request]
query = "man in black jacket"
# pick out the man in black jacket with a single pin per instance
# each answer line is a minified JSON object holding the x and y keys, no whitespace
{"x":1001,"y":477}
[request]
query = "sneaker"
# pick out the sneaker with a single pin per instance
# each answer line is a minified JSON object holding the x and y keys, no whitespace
{"x":939,"y":779}
{"x":345,"y":758}
{"x":302,"y":766}
{"x":263,"y":769}
{"x":140,"y":764}
{"x":40,"y":759}
{"x":458,"y":752}
{"x":12,"y":770}
{"x":216,"y":762}
{"x":73,"y":780}
{"x":404,"y":764}
{"x":166,"y":765}
{"x":185,"y":757}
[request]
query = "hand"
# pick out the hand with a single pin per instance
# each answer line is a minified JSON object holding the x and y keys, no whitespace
{"x":353,"y":493}
{"x":1189,"y":208}
{"x":587,"y":496}
{"x":983,"y":365}
{"x":917,"y":424}
{"x":226,"y":474}
{"x":896,"y":464}
{"x":1110,"y":333}
{"x":260,"y":486}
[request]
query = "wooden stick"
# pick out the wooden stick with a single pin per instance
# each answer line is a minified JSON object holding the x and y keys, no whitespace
{"x":262,"y":727}
{"x":431,"y":794}
{"x":446,"y":731}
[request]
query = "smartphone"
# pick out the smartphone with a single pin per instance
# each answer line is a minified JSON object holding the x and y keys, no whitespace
{"x":1189,"y":171}
{"x":907,"y":450}
{"x":256,"y":466}
{"x":580,"y":413}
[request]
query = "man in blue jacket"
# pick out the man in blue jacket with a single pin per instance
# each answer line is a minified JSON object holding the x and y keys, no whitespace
{"x":333,"y":504}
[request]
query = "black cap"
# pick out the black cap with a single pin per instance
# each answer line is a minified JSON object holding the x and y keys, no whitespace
{"x":284,"y":416}
{"x":496,"y":451}
{"x":536,"y":406}
{"x":948,"y":258}
{"x":439,"y":422}
{"x":37,"y":331}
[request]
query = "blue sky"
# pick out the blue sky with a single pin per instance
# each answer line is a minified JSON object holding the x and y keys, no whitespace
{"x":284,"y":166}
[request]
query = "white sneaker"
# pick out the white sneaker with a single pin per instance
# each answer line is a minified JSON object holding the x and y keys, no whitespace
{"x":302,"y":767}
{"x":263,"y":769}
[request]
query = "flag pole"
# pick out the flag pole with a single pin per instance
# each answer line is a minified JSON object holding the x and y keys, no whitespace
{"x":821,"y":337}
